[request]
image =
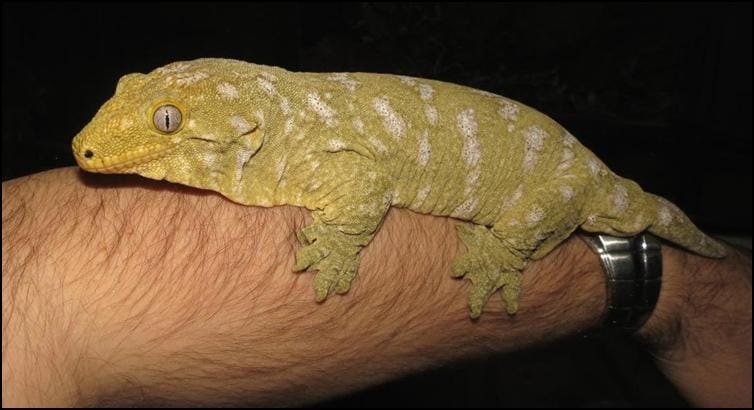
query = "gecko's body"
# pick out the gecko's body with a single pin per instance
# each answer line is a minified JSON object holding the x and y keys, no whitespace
{"x":350,"y":145}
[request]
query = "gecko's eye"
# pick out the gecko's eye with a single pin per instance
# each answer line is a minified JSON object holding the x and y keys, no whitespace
{"x":167,"y":118}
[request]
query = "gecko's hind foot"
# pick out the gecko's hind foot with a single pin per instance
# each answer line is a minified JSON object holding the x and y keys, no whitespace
{"x":335,"y":274}
{"x":485,"y":279}
{"x":485,"y":265}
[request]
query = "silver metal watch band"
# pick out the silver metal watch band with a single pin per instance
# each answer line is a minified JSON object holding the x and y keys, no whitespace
{"x":634,"y":276}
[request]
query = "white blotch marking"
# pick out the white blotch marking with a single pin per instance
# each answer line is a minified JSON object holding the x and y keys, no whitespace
{"x":285,"y":106}
{"x":566,"y":160}
{"x":191,"y":124}
{"x":407,"y":80}
{"x":426,"y":91}
{"x":280,"y":168}
{"x":620,"y":198}
{"x":511,"y":128}
{"x":243,"y":157}
{"x":227,"y":91}
{"x":269,"y":76}
{"x":267,"y":86}
{"x":209,"y":159}
{"x":509,"y":110}
{"x":396,"y":197}
{"x":260,"y":117}
{"x":509,"y":202}
{"x":485,"y":93}
{"x":471,"y":180}
{"x":377,"y":144}
{"x":288,"y":127}
{"x":345,"y":80}
{"x":569,"y":140}
{"x":534,"y":137}
{"x":336,"y":144}
{"x":421,"y":196}
{"x":567,"y":155}
{"x":325,"y":112}
{"x":431,"y":113}
{"x":466,"y":208}
{"x":387,"y":199}
{"x":664,"y":215}
{"x":535,"y":215}
{"x":173,"y":68}
{"x":358,"y":125}
{"x":184,"y":79}
{"x":425,"y":151}
{"x":594,"y":167}
{"x":240,"y":124}
{"x":392,"y":121}
{"x":567,"y":192}
{"x":468,"y":127}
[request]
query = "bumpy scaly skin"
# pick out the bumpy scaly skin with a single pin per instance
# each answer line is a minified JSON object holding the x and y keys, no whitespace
{"x":350,"y":145}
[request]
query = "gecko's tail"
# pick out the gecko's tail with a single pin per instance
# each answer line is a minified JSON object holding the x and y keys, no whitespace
{"x":673,"y":225}
{"x":628,"y":210}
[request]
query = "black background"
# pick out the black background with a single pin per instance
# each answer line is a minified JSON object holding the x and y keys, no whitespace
{"x":661,"y":92}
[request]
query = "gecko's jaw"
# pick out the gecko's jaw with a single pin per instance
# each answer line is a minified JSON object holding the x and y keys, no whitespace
{"x":90,"y":161}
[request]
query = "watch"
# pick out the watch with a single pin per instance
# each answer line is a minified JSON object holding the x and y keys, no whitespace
{"x":633,"y":266}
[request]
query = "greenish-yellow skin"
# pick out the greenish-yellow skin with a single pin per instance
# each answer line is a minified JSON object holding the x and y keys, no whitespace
{"x":350,"y":145}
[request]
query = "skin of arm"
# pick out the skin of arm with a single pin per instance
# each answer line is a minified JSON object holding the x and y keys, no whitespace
{"x":128,"y":291}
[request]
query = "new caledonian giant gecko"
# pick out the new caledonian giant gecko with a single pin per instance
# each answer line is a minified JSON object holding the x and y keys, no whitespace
{"x":348,"y":146}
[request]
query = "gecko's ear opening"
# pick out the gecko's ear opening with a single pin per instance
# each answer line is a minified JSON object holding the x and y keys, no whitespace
{"x":129,"y":81}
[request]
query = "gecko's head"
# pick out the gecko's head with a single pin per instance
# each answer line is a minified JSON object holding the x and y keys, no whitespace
{"x":182,"y":122}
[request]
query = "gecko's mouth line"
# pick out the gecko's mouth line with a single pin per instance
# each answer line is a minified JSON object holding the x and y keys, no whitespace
{"x":118,"y":163}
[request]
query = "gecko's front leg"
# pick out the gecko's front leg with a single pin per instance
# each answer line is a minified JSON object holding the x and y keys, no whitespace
{"x":353,"y":211}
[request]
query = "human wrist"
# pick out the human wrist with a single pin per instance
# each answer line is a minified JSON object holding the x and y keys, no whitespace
{"x":700,"y":333}
{"x":697,"y":292}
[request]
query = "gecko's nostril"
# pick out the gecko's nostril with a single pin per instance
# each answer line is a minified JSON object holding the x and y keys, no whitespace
{"x":88,"y":154}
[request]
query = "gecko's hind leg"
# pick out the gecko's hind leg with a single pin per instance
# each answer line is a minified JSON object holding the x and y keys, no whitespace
{"x":531,"y":228}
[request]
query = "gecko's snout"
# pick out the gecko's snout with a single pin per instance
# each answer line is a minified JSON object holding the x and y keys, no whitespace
{"x":82,"y":153}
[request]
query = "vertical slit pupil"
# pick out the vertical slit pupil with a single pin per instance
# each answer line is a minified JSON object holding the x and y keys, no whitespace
{"x":167,"y":120}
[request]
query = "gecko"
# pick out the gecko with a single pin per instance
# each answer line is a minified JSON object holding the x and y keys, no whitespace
{"x":348,"y":146}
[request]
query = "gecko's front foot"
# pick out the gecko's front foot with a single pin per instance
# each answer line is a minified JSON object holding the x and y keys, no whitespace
{"x":333,"y":254}
{"x":489,"y":266}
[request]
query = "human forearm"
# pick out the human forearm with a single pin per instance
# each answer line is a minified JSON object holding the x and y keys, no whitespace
{"x":190,"y":299}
